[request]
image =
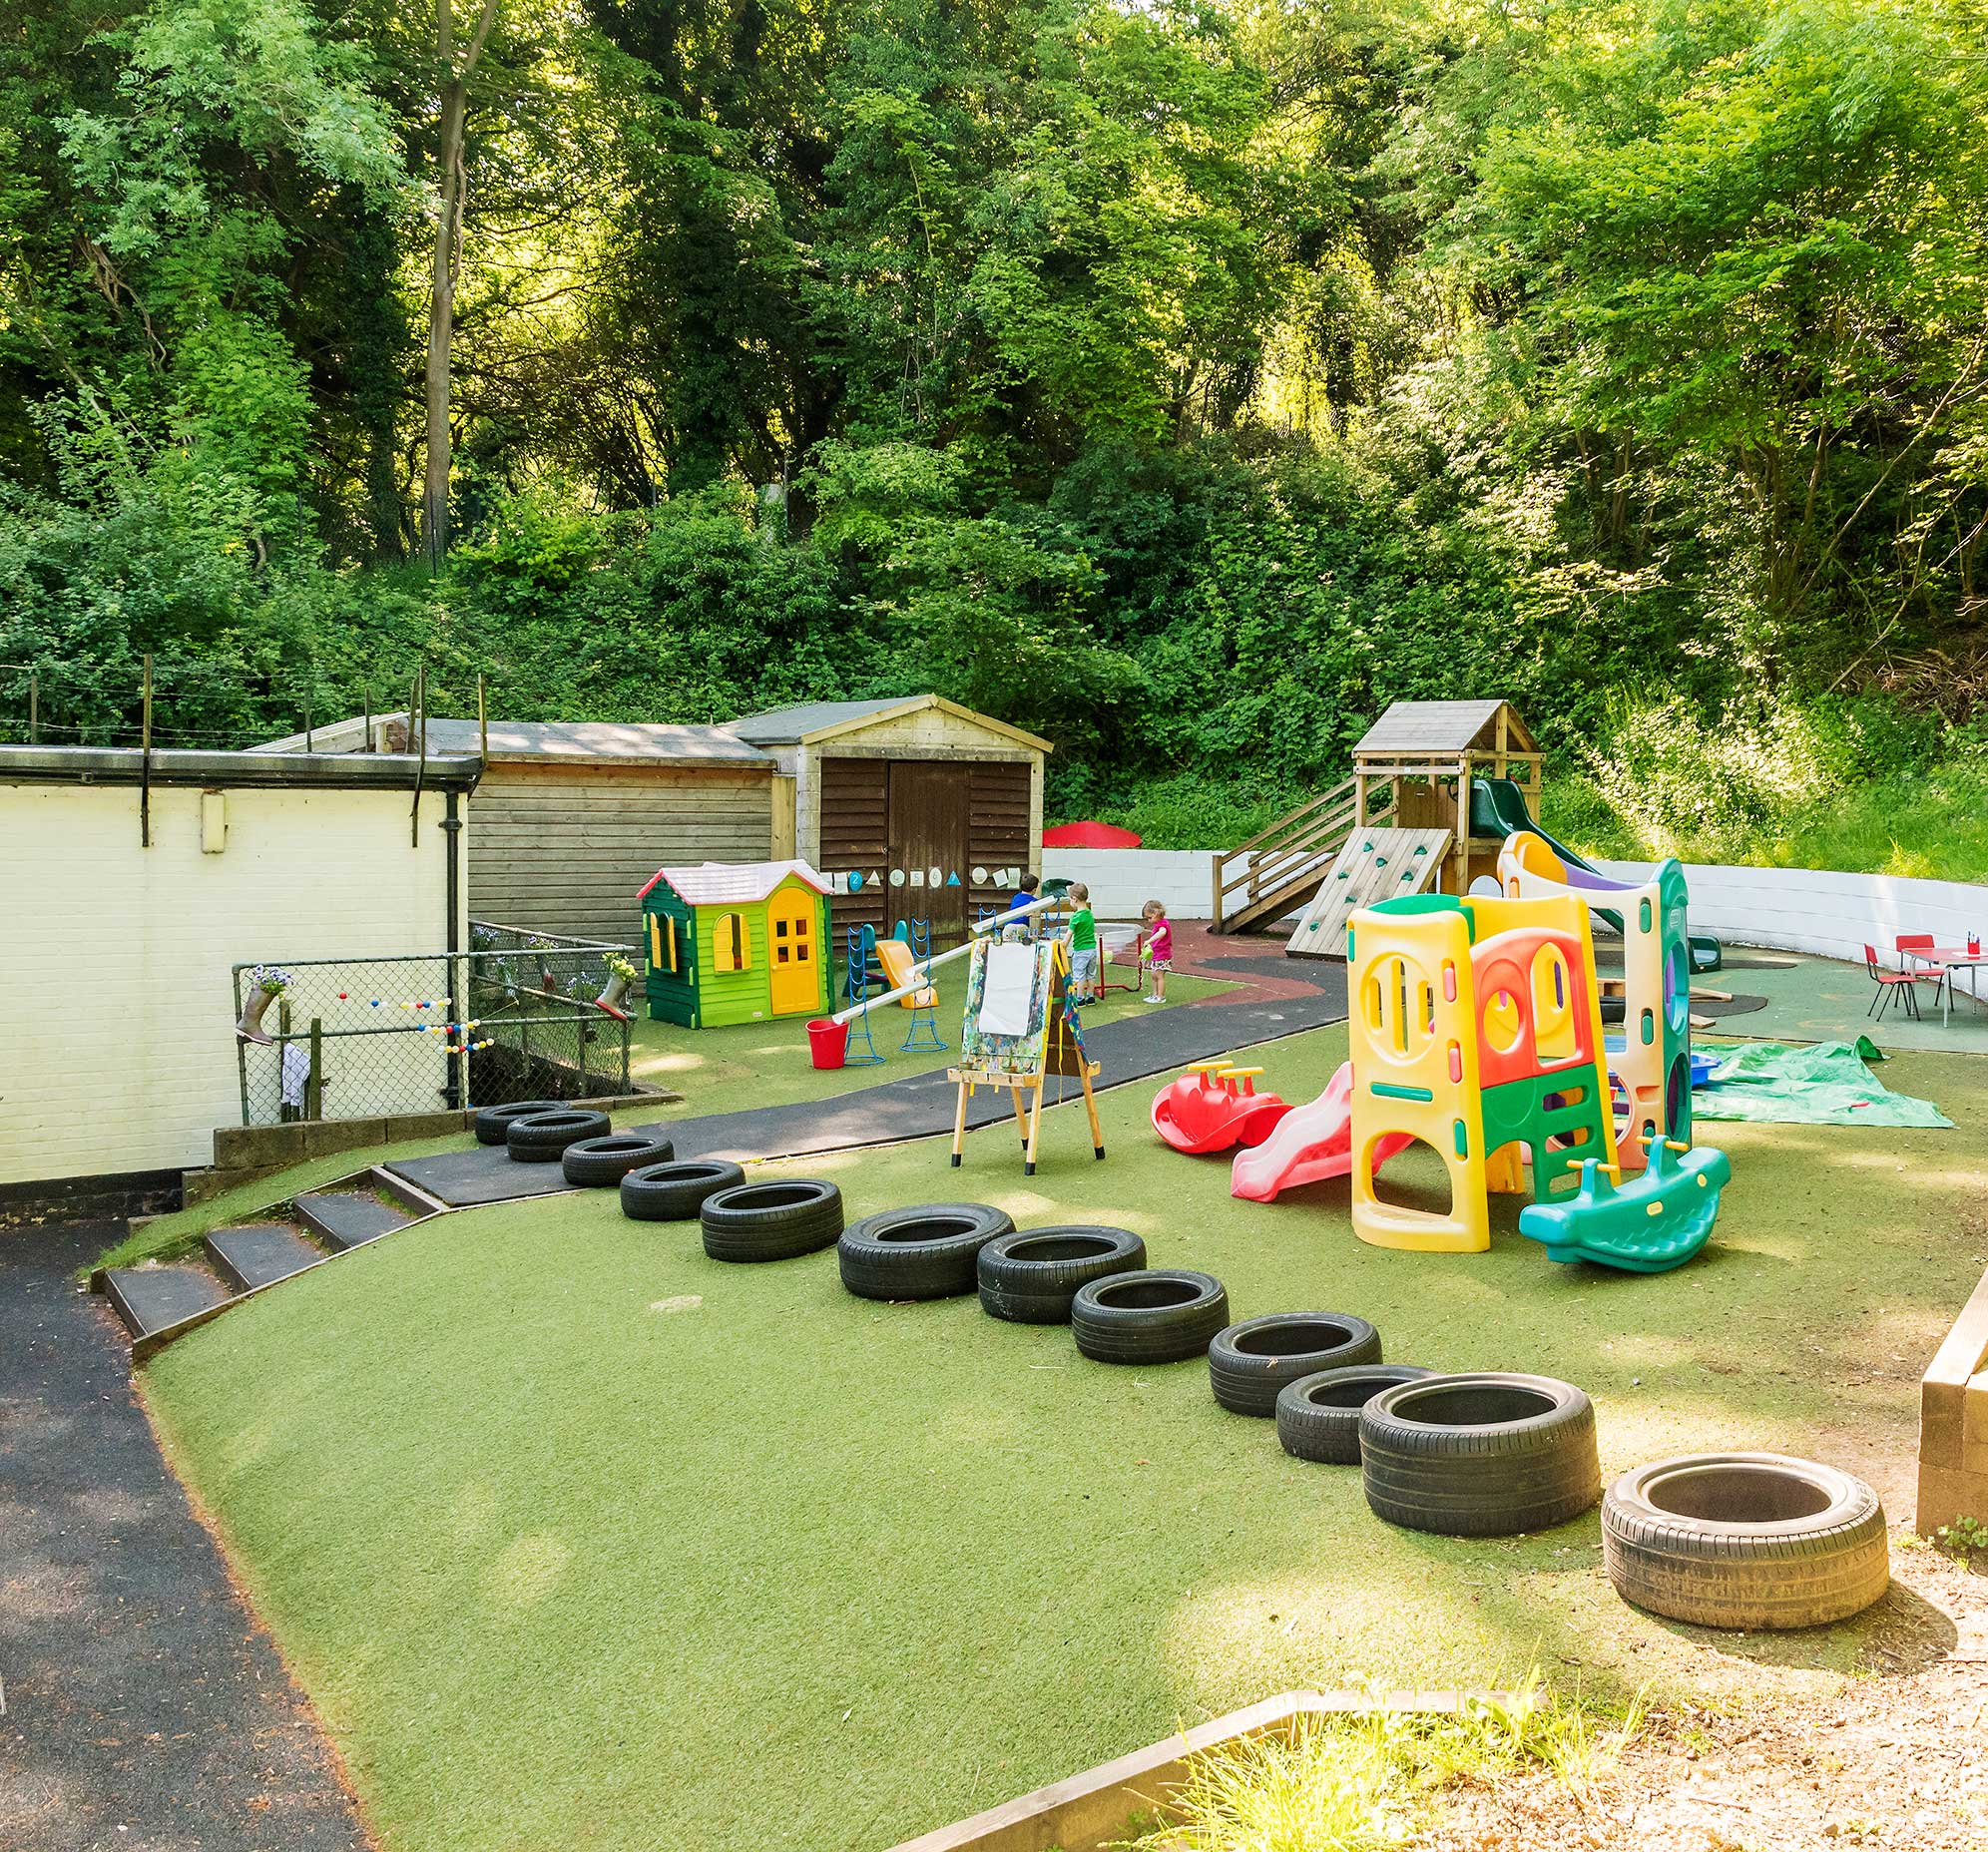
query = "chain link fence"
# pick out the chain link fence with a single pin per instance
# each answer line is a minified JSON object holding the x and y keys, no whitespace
{"x":518,"y":1017}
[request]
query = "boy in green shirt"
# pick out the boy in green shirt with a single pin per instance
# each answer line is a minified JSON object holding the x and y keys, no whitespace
{"x":1083,"y":945}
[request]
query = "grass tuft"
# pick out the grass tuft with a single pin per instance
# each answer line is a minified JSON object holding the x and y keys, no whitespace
{"x":1368,"y":1783}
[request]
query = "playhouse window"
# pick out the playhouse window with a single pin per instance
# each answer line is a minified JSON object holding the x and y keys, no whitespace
{"x":662,"y":942}
{"x":731,"y":943}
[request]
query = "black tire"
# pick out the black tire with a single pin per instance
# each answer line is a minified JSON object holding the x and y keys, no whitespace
{"x":493,"y":1124}
{"x":1249,"y":1363}
{"x":542,"y":1138}
{"x":1745,"y":1540}
{"x":676,"y":1191}
{"x":1482,"y":1455}
{"x":1319,"y":1417}
{"x":1154,"y":1315}
{"x":773,"y":1221}
{"x":1031,"y":1278}
{"x":927,"y":1253}
{"x":597,"y":1162}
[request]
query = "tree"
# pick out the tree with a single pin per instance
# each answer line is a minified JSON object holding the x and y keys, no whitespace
{"x":446,"y":264}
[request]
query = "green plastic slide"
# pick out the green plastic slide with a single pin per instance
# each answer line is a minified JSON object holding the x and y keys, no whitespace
{"x":1498,"y":809}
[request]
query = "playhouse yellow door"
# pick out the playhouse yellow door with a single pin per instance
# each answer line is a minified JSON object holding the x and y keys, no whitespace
{"x":795,"y":952}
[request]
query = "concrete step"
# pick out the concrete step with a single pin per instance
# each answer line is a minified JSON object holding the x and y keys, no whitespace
{"x":348,"y":1217}
{"x":261,"y":1254}
{"x":151,"y":1299}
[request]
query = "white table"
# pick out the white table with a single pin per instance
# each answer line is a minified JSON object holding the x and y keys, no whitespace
{"x":1949,"y":959}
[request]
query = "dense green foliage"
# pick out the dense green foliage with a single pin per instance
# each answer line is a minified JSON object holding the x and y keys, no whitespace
{"x":1184,"y":381}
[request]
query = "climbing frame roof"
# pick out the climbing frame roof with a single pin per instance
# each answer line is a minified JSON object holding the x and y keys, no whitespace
{"x":1421,"y":728}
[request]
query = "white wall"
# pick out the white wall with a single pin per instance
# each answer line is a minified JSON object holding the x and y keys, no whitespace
{"x":117,"y":1040}
{"x":1817,"y":910}
{"x":1796,"y":909}
{"x":1124,"y":880}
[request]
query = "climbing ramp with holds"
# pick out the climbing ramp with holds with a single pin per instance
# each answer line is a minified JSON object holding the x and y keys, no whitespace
{"x":1372,"y":867}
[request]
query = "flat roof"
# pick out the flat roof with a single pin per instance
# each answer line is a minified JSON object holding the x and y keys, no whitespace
{"x":605,"y":742}
{"x":320,"y":771}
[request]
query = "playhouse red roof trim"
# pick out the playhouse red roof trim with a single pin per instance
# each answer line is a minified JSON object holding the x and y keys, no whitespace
{"x":718,"y":884}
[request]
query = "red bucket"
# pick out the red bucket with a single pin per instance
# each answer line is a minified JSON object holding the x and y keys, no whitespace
{"x":827,"y":1041}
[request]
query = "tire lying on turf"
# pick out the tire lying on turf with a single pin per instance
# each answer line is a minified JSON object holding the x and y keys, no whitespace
{"x":1249,"y":1363}
{"x":493,"y":1124}
{"x":1032,"y":1276}
{"x":1481,"y":1455}
{"x":676,"y":1191}
{"x":771,"y":1221}
{"x":597,"y":1162}
{"x":1745,"y":1539}
{"x":1154,"y":1315}
{"x":926,"y":1252}
{"x":542,"y":1138}
{"x":1319,"y":1417}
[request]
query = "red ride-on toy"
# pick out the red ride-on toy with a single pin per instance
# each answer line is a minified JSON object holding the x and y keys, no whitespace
{"x":1214,"y":1107}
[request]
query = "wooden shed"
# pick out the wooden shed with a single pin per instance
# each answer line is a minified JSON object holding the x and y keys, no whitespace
{"x":736,"y":943}
{"x":1415,"y":763}
{"x":931,"y":808}
{"x":572,"y":817}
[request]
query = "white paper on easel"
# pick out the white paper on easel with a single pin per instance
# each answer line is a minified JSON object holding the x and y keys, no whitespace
{"x":1004,"y":998}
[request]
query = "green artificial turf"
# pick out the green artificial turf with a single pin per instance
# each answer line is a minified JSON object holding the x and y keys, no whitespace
{"x":162,"y":1236}
{"x":767,"y":1063}
{"x":714,"y":1070}
{"x":579,"y":1539}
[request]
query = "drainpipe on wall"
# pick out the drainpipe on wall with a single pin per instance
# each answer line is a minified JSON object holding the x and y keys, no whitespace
{"x":451,"y":835}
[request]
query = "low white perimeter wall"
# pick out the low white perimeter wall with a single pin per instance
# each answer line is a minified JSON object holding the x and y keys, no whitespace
{"x":116,"y":1024}
{"x":1124,"y":880}
{"x":1818,"y":910}
{"x":1796,"y":909}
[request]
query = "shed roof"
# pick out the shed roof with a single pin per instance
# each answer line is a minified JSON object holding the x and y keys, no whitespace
{"x":785,"y":727}
{"x":607,"y":742}
{"x":823,"y":719}
{"x":1415,"y":726}
{"x":718,"y":884}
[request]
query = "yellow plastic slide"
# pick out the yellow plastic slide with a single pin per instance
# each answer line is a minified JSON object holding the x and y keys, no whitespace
{"x":896,"y":957}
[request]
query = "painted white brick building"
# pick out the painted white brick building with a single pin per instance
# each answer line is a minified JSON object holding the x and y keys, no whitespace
{"x":117,"y":1041}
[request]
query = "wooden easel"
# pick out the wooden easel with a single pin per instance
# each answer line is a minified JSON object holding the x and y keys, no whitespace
{"x":1061,"y":1053}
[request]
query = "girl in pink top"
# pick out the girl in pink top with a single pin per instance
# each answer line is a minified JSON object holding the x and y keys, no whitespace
{"x":1159,"y":948}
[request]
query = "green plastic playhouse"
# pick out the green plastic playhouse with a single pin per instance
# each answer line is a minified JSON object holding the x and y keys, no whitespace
{"x":737,"y":942}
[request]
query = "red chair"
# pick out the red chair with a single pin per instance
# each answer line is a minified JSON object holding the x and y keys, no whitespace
{"x":1890,"y":984}
{"x":1912,"y":947}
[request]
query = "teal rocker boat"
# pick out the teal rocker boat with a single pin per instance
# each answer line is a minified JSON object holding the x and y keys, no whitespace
{"x":1649,"y":1224}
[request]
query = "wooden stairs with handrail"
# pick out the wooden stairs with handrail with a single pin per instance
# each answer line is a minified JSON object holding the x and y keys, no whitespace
{"x":1278,"y":869}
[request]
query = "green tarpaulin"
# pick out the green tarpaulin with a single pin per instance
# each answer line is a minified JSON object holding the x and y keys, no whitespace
{"x":1824,"y":1085}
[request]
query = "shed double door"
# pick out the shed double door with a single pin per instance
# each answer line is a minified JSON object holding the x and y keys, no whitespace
{"x":891,"y":816}
{"x":927,"y":808}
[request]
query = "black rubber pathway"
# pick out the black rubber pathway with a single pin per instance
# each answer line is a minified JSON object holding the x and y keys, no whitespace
{"x":920,"y":1105}
{"x":144,"y":1710}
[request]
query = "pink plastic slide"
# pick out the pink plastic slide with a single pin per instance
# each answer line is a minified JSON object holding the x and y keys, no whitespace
{"x":1310,"y":1144}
